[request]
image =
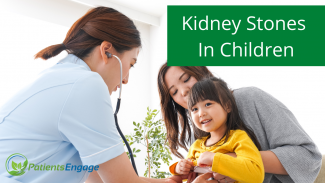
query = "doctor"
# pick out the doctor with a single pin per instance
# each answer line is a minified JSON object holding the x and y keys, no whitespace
{"x":65,"y":118}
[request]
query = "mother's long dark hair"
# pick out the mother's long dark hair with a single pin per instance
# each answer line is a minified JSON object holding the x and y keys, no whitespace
{"x":173,"y":113}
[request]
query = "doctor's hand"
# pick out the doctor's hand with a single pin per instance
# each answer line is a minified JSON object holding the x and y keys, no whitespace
{"x":184,"y":167}
{"x":176,"y":179}
{"x":204,"y":179}
{"x":222,"y":178}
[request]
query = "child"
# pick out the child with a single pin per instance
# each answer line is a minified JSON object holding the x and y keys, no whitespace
{"x":219,"y":130}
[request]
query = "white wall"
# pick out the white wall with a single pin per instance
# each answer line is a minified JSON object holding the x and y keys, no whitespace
{"x":158,"y":56}
{"x":21,"y":38}
{"x":60,"y":12}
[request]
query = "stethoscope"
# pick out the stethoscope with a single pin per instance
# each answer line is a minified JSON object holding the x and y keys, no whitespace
{"x":109,"y":55}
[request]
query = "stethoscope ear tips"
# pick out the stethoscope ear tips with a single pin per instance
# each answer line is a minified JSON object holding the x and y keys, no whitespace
{"x":109,"y":55}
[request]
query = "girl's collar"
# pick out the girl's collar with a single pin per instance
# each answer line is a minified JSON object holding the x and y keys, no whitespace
{"x":204,"y":139}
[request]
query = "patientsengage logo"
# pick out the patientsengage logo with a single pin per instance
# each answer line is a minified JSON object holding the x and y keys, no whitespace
{"x":16,"y":165}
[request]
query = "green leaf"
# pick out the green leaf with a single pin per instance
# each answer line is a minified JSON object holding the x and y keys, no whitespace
{"x":14,"y":165}
{"x":19,"y":166}
{"x":25,"y":164}
{"x":14,"y":173}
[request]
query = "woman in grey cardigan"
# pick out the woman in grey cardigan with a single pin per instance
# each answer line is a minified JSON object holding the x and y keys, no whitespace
{"x":288,"y":153}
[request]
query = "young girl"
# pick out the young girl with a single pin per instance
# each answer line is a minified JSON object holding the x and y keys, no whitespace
{"x":219,"y":130}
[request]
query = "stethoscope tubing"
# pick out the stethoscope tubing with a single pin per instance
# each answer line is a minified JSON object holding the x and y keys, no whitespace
{"x":121,"y":70}
{"x":116,"y":121}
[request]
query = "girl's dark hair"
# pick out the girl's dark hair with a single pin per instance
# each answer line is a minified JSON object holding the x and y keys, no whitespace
{"x":174,"y":114}
{"x":215,"y":89}
{"x":97,"y":25}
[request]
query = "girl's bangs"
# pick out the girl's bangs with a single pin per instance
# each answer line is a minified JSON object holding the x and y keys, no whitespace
{"x":203,"y":90}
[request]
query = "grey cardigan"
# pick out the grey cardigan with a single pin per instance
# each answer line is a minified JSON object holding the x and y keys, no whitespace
{"x":278,"y":130}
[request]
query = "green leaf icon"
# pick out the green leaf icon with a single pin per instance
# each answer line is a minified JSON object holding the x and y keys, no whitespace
{"x":25,"y":164}
{"x":19,"y":166}
{"x":14,"y":173}
{"x":14,"y":165}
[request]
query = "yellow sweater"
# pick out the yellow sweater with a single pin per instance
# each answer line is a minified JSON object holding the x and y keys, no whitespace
{"x":247,"y":167}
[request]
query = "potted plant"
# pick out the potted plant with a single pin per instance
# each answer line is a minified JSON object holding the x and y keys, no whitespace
{"x":151,"y":134}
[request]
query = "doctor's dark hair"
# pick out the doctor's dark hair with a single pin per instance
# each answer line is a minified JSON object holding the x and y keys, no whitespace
{"x":97,"y":25}
{"x":217,"y":90}
{"x":175,"y":116}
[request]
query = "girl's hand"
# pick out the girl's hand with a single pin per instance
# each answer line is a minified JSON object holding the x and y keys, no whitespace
{"x":221,"y":178}
{"x":184,"y":167}
{"x":205,"y":159}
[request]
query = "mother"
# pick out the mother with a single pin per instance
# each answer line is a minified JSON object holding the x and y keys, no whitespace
{"x":288,"y":153}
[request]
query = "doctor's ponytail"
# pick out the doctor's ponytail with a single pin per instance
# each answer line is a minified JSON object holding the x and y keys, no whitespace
{"x":97,"y":25}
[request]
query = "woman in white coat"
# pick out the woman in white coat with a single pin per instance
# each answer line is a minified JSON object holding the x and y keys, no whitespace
{"x":61,"y":126}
